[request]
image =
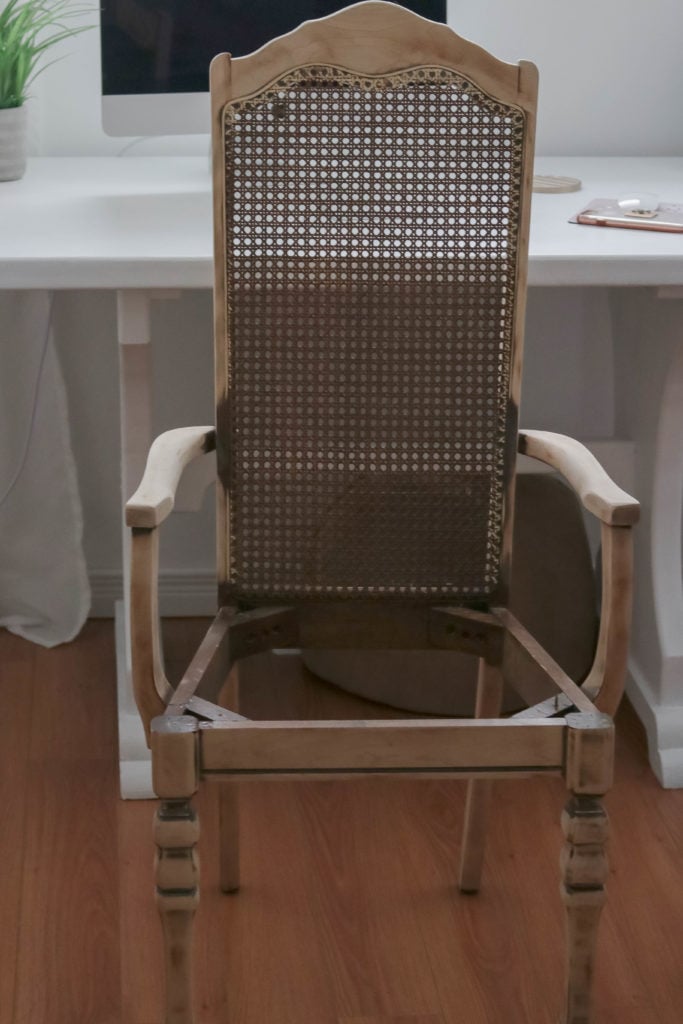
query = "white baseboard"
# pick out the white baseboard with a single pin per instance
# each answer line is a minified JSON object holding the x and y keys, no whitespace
{"x":664,"y":727}
{"x":180,"y":593}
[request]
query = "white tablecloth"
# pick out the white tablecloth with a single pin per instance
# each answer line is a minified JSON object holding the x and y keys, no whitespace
{"x":44,"y":591}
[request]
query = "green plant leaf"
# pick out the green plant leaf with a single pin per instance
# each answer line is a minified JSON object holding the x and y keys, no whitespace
{"x":28,"y":29}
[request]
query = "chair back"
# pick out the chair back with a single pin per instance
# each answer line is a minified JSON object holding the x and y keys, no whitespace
{"x":372,"y":179}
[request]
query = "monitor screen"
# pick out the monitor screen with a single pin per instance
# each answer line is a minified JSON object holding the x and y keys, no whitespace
{"x":166,"y":46}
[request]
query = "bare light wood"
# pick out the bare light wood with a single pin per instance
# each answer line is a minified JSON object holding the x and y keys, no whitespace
{"x":530,"y":670}
{"x":150,"y":504}
{"x":210,"y":666}
{"x":151,"y":687}
{"x":466,"y":630}
{"x":195,"y":736}
{"x":528,"y":87}
{"x":168,"y":456}
{"x":377,"y":38}
{"x":598,"y":493}
{"x":605,"y":682}
{"x":219,"y":80}
{"x":589,"y":773}
{"x":590,"y":753}
{"x":177,"y":893}
{"x":174,"y":756}
{"x":479,"y":791}
{"x":584,"y":872}
{"x":415,"y":744}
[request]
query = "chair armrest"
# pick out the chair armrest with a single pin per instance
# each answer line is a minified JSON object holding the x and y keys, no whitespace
{"x":168,"y":456}
{"x":148,"y":507}
{"x":598,"y":493}
{"x":617,"y":511}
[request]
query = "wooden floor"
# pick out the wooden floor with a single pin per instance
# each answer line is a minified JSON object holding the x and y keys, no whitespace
{"x":348,"y":914}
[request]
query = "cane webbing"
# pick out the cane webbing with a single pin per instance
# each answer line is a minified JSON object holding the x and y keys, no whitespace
{"x":371,"y":247}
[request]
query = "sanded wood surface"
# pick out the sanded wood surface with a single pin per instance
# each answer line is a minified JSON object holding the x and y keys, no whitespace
{"x":363,"y":745}
{"x":598,"y":493}
{"x":154,"y":498}
{"x":348,"y":912}
{"x":377,"y":38}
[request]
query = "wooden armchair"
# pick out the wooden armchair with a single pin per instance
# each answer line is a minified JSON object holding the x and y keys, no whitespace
{"x":372,"y":180}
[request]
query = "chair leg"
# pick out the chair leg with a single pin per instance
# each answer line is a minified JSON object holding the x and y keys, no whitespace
{"x":479,"y":791}
{"x":176,"y":830}
{"x":584,"y":871}
{"x":229,"y":807}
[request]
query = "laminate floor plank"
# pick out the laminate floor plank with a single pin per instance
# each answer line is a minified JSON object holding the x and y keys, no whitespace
{"x":74,"y":714}
{"x":349,"y":911}
{"x":68,"y":956}
{"x":411,"y":1019}
{"x":68,"y":947}
{"x":16,"y":695}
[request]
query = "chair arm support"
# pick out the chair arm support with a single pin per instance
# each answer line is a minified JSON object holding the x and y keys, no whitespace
{"x":604,"y":684}
{"x":617,"y":511}
{"x":168,"y":456}
{"x":151,"y":687}
{"x":149,"y":506}
{"x":598,"y":493}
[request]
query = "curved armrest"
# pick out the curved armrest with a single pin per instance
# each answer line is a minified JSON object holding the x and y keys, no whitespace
{"x":168,"y":456}
{"x":617,"y":511}
{"x":148,"y":507}
{"x":598,"y":493}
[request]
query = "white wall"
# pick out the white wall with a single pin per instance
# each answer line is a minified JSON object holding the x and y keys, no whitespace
{"x":611,"y":83}
{"x":611,"y":76}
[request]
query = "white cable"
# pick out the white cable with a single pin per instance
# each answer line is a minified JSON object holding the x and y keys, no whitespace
{"x":34,"y":407}
{"x":133,"y":142}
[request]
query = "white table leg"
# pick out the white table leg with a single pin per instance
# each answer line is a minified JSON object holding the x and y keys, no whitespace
{"x":135,"y":399}
{"x":655,"y":682}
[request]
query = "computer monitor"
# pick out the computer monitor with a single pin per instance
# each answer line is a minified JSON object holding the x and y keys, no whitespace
{"x":156,"y":53}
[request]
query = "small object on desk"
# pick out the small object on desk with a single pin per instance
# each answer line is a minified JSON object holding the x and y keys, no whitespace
{"x":556,"y":184}
{"x":647,"y":215}
{"x":641,"y":204}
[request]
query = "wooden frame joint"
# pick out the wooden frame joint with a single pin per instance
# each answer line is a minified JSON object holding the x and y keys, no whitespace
{"x":465,"y":630}
{"x":590,"y":753}
{"x":175,"y":756}
{"x":262,"y":630}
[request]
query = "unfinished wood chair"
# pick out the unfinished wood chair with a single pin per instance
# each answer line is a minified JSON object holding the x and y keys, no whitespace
{"x":372,"y":180}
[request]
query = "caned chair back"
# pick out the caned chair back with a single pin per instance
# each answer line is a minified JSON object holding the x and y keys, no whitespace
{"x":372,"y":186}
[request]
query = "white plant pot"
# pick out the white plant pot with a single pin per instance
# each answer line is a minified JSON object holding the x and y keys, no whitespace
{"x":12,"y":143}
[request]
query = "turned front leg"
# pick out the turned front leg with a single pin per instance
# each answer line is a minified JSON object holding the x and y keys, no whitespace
{"x":176,"y":831}
{"x":584,"y":872}
{"x":590,"y":756}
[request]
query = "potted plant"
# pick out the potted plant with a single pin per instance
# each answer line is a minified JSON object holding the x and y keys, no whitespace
{"x":28,"y":29}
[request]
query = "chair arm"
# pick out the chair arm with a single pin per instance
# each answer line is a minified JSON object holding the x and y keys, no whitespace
{"x":148,"y":507}
{"x":617,"y":511}
{"x":168,"y":456}
{"x":598,"y":493}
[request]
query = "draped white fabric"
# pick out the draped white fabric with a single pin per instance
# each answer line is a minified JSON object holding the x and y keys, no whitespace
{"x":44,"y":590}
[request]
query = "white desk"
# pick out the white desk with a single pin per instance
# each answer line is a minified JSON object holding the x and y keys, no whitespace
{"x":142,"y":225}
